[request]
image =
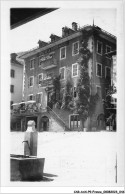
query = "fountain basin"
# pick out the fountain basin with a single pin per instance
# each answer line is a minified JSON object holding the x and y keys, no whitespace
{"x":26,"y":168}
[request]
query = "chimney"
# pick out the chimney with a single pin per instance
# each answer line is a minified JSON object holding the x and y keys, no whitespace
{"x":54,"y":37}
{"x":65,"y":31}
{"x":74,"y":26}
{"x":13,"y":56}
{"x":42,"y":43}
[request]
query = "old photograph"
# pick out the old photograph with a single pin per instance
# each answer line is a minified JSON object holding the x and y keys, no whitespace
{"x":63,"y":122}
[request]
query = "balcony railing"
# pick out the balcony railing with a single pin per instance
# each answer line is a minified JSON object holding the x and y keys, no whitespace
{"x":46,"y":82}
{"x":28,"y":109}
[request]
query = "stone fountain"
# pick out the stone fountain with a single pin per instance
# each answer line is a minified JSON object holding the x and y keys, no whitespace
{"x":27,"y":167}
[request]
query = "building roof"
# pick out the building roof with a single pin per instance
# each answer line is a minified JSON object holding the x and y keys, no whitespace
{"x":14,"y":59}
{"x":16,"y":62}
{"x":73,"y":35}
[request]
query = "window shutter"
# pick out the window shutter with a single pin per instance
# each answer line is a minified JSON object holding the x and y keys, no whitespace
{"x":37,"y":79}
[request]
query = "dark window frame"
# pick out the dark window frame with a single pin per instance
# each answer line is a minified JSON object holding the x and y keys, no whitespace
{"x":11,"y":107}
{"x":106,"y":67}
{"x":62,"y":77}
{"x":98,"y":64}
{"x":32,"y":64}
{"x":73,"y":65}
{"x":99,"y":51}
{"x":12,"y":88}
{"x":63,"y":56}
{"x":75,"y":118}
{"x":31,"y":77}
{"x":29,"y":97}
{"x":75,"y":51}
{"x":12,"y":73}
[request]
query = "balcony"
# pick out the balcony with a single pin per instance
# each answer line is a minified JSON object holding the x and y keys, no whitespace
{"x":49,"y":63}
{"x":46,"y":82}
{"x":49,"y":67}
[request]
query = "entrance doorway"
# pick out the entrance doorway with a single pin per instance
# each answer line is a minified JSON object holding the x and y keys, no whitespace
{"x":31,"y":119}
{"x":44,"y":123}
{"x":101,"y":122}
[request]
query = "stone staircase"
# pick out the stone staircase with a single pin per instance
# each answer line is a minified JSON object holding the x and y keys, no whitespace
{"x":58,"y":119}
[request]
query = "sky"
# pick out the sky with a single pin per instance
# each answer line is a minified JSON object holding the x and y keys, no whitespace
{"x":26,"y":37}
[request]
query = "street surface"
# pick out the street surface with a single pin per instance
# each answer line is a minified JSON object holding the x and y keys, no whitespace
{"x":74,"y":158}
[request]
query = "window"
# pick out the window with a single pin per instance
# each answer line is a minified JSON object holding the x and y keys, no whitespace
{"x":99,"y":47}
{"x":31,"y":97}
{"x":74,"y":70}
{"x":40,"y":78}
{"x":98,"y":90}
{"x":74,"y":121}
{"x":99,"y":70}
{"x":74,"y":92}
{"x":62,"y":73}
{"x":12,"y":73}
{"x":32,"y":63}
{"x":31,"y":81}
{"x":41,"y":61}
{"x":75,"y":48}
{"x":39,"y":97}
{"x":11,"y":107}
{"x":63,"y":53}
{"x":107,"y":72}
{"x":108,"y":49}
{"x":12,"y":88}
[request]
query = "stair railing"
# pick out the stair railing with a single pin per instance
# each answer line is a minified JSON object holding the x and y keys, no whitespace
{"x":57,"y":117}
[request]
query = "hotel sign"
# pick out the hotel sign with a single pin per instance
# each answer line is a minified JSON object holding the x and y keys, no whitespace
{"x":44,"y":58}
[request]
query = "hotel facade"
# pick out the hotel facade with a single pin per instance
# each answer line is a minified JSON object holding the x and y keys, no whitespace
{"x":60,"y":58}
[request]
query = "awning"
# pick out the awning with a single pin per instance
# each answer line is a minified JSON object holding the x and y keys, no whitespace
{"x":27,"y":102}
{"x":30,"y":102}
{"x":15,"y":104}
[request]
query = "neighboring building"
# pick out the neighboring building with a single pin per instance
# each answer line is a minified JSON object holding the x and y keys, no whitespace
{"x":60,"y":57}
{"x":112,"y":92}
{"x":16,"y":74}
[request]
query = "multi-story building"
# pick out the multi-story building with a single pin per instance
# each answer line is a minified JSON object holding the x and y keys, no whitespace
{"x":61,"y":57}
{"x":16,"y":88}
{"x":111,"y":97}
{"x":16,"y":74}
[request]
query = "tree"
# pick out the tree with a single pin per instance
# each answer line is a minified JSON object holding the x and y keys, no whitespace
{"x":82,"y":104}
{"x":55,"y":97}
{"x":110,"y":110}
{"x":67,"y":96}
